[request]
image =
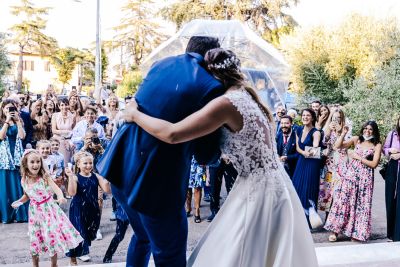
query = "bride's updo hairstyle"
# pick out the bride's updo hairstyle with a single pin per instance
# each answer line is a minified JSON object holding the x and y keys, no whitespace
{"x":225,"y":66}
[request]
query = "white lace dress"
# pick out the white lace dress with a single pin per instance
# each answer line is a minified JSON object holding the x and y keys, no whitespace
{"x":262,"y":222}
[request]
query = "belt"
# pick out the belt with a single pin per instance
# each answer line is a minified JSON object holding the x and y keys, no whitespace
{"x":37,"y":203}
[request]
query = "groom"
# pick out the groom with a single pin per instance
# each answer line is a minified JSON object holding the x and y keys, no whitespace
{"x":149,"y":177}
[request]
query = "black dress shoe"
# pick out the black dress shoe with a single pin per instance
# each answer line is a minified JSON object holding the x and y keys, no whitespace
{"x":107,"y":259}
{"x":211,"y":217}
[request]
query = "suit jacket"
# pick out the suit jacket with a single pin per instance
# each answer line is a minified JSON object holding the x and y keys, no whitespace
{"x":292,"y":154}
{"x":152,"y":174}
{"x":28,"y":127}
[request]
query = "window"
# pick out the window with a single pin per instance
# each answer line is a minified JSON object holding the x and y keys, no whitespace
{"x":47,"y":66}
{"x":29,"y":65}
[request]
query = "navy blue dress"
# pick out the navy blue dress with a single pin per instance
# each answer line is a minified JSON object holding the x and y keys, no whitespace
{"x":306,"y":175}
{"x":84,"y":213}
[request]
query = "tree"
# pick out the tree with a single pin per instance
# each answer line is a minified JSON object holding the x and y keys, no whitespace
{"x":104,"y":64}
{"x":325,"y":61}
{"x":265,"y":17}
{"x":28,"y":35}
{"x":5,"y":64}
{"x":64,"y":60}
{"x":137,"y":32}
{"x":378,"y":99}
{"x":130,"y":83}
{"x":85,"y":61}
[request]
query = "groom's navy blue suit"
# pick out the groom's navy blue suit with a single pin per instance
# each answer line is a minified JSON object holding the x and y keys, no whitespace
{"x":149,"y":177}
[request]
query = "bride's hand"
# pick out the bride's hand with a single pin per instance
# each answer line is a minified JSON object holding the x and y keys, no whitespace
{"x":129,"y":111}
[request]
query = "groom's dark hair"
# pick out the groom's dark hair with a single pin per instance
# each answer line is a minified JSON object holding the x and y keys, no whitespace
{"x":201,"y":44}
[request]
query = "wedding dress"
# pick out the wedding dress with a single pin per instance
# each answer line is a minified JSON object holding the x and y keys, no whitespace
{"x":261,"y":223}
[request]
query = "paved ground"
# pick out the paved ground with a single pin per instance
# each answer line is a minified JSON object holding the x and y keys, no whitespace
{"x":14,"y":239}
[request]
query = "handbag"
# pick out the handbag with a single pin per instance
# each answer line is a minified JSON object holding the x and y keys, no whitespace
{"x":313,"y":216}
{"x":383,"y":170}
{"x":315,"y":150}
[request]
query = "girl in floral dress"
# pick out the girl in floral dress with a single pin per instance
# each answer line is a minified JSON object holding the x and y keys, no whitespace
{"x":49,"y":228}
{"x":352,"y":201}
{"x":336,"y":160}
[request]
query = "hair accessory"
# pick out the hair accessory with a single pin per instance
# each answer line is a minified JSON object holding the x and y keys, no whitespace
{"x":28,"y":151}
{"x":228,"y":62}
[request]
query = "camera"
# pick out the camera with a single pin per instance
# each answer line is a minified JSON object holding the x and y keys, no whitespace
{"x":95,"y":140}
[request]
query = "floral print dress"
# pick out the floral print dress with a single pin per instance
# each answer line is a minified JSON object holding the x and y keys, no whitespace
{"x":49,"y":228}
{"x":352,"y":202}
{"x":333,"y":171}
{"x":197,"y":177}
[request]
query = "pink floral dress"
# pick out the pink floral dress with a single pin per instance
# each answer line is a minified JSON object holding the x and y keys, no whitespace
{"x":49,"y":228}
{"x":352,"y":202}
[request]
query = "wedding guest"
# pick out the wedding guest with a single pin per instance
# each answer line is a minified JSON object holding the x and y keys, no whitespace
{"x":49,"y":109}
{"x":93,"y":146}
{"x":350,"y":213}
{"x":391,"y":149}
{"x":122,"y":226}
{"x":76,"y":107}
{"x":222,"y":169}
{"x":280,"y":112}
{"x":336,"y":160}
{"x":62,"y":124}
{"x":59,"y":163}
{"x":11,"y":135}
{"x":197,"y":180}
{"x":322,"y":117}
{"x":26,"y":118}
{"x":306,"y":175}
{"x":286,"y":145}
{"x":84,"y":211}
{"x":315,"y":105}
{"x":89,"y":121}
{"x":39,"y":121}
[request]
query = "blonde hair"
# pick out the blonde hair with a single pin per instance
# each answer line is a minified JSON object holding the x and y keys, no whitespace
{"x":24,"y":166}
{"x":78,"y":157}
{"x":42,"y":143}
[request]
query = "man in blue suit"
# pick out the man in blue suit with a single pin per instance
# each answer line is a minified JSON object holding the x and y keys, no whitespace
{"x":149,"y":177}
{"x":286,"y":144}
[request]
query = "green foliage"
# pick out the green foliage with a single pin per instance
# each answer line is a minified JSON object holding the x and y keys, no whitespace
{"x":137,"y":32}
{"x":64,"y":61}
{"x":129,"y":84}
{"x":265,"y":17}
{"x":325,"y":61}
{"x":5,"y":64}
{"x":104,"y":64}
{"x":28,"y":34}
{"x":378,"y":99}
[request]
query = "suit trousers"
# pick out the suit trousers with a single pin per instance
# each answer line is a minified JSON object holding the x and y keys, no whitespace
{"x":226,"y":171}
{"x":164,"y":236}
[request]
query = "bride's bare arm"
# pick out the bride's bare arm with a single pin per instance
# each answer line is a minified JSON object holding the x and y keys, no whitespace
{"x":216,"y":113}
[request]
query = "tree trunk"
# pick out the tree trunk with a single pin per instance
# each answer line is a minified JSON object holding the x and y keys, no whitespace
{"x":20,"y":69}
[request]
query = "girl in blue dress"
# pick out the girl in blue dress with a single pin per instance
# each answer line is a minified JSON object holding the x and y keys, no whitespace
{"x":84,"y":212}
{"x":307,"y":172}
{"x":11,"y":134}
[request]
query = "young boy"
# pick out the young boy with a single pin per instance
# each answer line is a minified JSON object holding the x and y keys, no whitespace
{"x":58,"y":159}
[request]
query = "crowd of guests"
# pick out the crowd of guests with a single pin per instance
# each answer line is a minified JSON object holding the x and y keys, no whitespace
{"x":68,"y":134}
{"x":333,"y":171}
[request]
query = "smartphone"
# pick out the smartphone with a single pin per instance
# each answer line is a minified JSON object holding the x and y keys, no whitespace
{"x":12,"y":109}
{"x":38,"y":96}
{"x":69,"y":165}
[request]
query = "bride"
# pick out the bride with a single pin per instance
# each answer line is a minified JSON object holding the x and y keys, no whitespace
{"x":262,"y":222}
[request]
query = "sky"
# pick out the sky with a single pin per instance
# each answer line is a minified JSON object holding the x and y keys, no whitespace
{"x":74,"y":23}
